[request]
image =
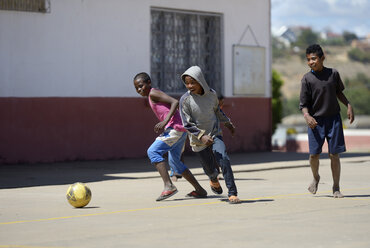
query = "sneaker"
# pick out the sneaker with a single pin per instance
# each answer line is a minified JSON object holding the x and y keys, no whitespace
{"x":216,"y":187}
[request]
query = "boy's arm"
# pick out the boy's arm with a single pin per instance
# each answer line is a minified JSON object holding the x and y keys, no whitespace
{"x":344,"y":100}
{"x":311,"y":122}
{"x":224,"y":119}
{"x":159,"y":96}
{"x":231,"y":127}
{"x":221,"y":115}
{"x":304,"y":101}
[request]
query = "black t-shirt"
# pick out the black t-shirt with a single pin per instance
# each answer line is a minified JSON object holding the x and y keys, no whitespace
{"x":319,"y":92}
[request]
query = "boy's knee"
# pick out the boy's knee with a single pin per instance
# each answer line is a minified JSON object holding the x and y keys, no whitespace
{"x":224,"y":163}
{"x":314,"y":156}
{"x":334,"y":156}
{"x":221,"y":156}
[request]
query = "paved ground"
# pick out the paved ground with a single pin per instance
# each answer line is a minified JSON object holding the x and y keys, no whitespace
{"x":277,"y":211}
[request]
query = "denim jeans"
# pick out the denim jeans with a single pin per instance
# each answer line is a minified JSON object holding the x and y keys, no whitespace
{"x":214,"y":156}
{"x":171,"y":141}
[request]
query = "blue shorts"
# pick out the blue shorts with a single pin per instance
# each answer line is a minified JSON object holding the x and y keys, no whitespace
{"x":173,"y":142}
{"x":329,"y":128}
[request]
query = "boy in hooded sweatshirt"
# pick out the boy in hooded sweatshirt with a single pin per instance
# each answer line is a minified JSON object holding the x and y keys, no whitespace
{"x":201,"y":117}
{"x":171,"y":140}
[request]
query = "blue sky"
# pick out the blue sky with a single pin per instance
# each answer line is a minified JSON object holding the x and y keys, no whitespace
{"x":336,"y":15}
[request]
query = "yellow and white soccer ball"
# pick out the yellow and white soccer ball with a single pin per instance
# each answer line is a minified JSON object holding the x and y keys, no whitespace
{"x":78,"y":195}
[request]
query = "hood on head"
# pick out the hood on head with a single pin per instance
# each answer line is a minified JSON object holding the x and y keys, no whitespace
{"x":196,"y":73}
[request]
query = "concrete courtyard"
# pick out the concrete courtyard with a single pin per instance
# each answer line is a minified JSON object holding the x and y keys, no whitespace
{"x":276,"y":210}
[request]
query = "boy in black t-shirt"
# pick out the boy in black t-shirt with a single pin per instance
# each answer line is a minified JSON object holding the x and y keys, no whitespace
{"x":318,"y":102}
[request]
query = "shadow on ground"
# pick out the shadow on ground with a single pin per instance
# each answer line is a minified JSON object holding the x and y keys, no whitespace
{"x":29,"y":175}
{"x":345,"y":196}
{"x":266,"y":157}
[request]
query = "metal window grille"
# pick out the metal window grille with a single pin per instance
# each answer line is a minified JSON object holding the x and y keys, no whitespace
{"x":182,"y":39}
{"x":41,"y":6}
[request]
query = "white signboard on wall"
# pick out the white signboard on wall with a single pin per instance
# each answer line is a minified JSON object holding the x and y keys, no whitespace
{"x":249,"y":77}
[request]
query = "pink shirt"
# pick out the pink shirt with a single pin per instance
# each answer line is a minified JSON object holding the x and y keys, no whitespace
{"x":161,"y":110}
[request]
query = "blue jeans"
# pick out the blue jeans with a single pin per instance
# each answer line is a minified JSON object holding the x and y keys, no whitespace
{"x":214,"y":156}
{"x":170,"y":141}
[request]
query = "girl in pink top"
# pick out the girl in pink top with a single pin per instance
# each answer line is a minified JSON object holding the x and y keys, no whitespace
{"x":172,"y":138}
{"x":161,"y":110}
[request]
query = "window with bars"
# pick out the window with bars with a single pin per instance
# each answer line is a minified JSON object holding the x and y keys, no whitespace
{"x":180,"y":39}
{"x":41,"y":6}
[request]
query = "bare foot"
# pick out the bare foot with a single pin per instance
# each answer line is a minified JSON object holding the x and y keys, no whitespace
{"x":234,"y":199}
{"x":314,"y":185}
{"x":337,"y":194}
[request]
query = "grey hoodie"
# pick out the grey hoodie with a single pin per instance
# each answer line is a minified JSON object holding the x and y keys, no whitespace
{"x":200,"y":114}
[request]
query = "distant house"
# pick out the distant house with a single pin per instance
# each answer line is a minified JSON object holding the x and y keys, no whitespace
{"x":363,"y":43}
{"x":289,"y":35}
{"x":66,"y":71}
{"x":329,"y":35}
{"x":286,"y":35}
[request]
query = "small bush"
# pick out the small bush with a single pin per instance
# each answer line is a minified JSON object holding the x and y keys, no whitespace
{"x":277,"y":104}
{"x":360,"y":55}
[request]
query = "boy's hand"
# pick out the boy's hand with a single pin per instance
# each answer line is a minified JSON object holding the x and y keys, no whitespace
{"x":207,"y":140}
{"x":350,"y":114}
{"x":159,"y":127}
{"x":311,"y":122}
{"x":231,"y":127}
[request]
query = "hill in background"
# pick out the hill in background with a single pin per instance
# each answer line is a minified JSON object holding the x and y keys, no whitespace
{"x":292,"y":67}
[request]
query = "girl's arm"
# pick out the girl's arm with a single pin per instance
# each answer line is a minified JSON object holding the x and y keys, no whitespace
{"x":158,"y":96}
{"x":344,"y":100}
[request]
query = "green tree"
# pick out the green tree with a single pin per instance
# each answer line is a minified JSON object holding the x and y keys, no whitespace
{"x":277,"y":103}
{"x":348,"y":36}
{"x":306,"y":38}
{"x":333,"y":42}
{"x":360,"y":55}
{"x":291,"y":106}
{"x":358,"y":93}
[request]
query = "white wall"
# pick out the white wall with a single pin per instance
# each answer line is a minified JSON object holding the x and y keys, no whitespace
{"x":94,"y":48}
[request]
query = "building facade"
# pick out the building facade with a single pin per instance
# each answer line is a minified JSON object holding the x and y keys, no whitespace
{"x":66,"y":71}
